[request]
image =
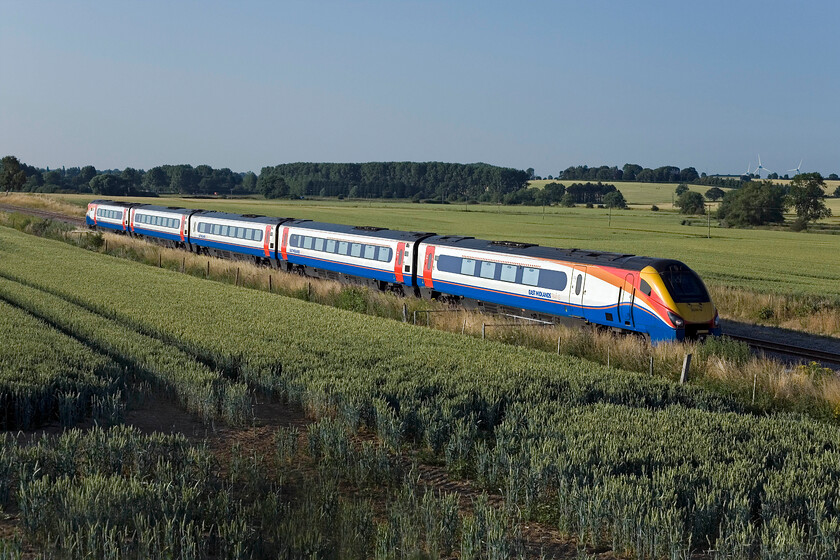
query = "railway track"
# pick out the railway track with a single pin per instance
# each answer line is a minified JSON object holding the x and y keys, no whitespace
{"x":58,"y":216}
{"x":809,"y":354}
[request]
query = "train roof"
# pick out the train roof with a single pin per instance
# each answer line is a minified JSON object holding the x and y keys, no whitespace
{"x":115,"y":203}
{"x":169,"y":209}
{"x":369,"y":231}
{"x":254,"y":218}
{"x":600,"y":258}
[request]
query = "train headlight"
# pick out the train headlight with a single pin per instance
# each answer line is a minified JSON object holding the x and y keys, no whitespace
{"x":676,"y":320}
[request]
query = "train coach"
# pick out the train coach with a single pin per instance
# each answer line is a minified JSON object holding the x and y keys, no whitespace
{"x":661,"y":299}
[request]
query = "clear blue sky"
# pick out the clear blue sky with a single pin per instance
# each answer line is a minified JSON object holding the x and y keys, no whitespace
{"x":522,"y":84}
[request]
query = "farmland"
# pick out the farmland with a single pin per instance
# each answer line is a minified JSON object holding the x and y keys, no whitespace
{"x":622,"y":461}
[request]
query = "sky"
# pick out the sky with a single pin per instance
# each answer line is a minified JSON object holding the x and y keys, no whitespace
{"x":541,"y":84}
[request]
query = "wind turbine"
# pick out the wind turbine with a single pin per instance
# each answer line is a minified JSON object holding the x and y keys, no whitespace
{"x":796,"y":168}
{"x":748,"y":168}
{"x":760,"y":167}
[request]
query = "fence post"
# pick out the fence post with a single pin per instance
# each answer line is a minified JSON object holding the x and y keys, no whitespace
{"x":309,"y":291}
{"x":270,"y":288}
{"x":651,"y":365}
{"x":483,"y":331}
{"x":106,"y":245}
{"x":608,"y":356}
{"x":208,"y":268}
{"x":464,"y":326}
{"x":415,"y":317}
{"x":558,"y":344}
{"x":237,"y":275}
{"x":685,"y":368}
{"x":160,"y":260}
{"x":405,"y":313}
{"x":183,"y":265}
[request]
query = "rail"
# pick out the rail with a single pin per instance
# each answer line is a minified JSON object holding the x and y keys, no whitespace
{"x":811,"y":354}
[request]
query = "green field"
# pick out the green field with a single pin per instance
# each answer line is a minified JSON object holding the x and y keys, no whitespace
{"x":624,"y":461}
{"x":772,"y":261}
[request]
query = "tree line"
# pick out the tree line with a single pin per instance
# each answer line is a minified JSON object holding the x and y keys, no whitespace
{"x":630,"y":172}
{"x":429,"y":180}
{"x":181,"y":179}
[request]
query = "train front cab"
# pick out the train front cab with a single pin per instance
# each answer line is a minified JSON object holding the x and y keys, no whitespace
{"x":684,"y":300}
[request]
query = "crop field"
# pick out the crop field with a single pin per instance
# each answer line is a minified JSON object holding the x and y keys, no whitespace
{"x":764,"y":261}
{"x":622,"y":461}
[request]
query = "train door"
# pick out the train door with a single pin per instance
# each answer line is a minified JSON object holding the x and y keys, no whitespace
{"x":428,"y":264}
{"x":577,"y":288}
{"x":125,"y":219}
{"x":398,"y":262}
{"x":626,"y":300}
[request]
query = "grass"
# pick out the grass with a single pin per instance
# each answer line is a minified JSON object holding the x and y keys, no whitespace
{"x":624,"y":461}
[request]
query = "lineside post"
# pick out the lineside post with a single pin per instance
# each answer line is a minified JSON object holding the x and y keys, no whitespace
{"x":237,"y":275}
{"x":405,"y":313}
{"x":160,"y":260}
{"x":483,"y":331}
{"x":685,"y":368}
{"x":208,"y":269}
{"x":651,"y":366}
{"x":270,"y":288}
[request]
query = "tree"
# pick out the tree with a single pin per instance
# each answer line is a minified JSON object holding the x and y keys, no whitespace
{"x":107,"y":185}
{"x":86,"y":173}
{"x":681,"y":188}
{"x":249,"y":182}
{"x":568,"y":200}
{"x":837,"y":192}
{"x":13,"y":177}
{"x":155,"y":180}
{"x":833,"y":177}
{"x":714,"y":193}
{"x":754,"y":204}
{"x":691,"y":202}
{"x":530,"y":172}
{"x":807,"y":197}
{"x":615,"y":200}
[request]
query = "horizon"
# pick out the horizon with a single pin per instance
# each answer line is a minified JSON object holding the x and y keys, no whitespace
{"x":253,"y":85}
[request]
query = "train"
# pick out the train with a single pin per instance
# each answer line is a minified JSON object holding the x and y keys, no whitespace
{"x":659,"y":299}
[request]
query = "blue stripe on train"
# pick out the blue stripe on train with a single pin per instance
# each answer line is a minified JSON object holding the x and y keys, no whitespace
{"x":644,"y":321}
{"x":353,"y":270}
{"x":158,"y":234}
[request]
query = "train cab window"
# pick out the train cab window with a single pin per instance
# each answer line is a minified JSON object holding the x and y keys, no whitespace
{"x":343,"y":248}
{"x":370,"y":252}
{"x":356,"y":250}
{"x":530,"y":276}
{"x":468,"y":267}
{"x":488,"y":269}
{"x":508,"y":273}
{"x":684,"y":286}
{"x":307,"y":242}
{"x":644,"y":287}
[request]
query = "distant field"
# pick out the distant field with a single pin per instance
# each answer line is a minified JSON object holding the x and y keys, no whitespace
{"x":637,"y":194}
{"x":763,"y":260}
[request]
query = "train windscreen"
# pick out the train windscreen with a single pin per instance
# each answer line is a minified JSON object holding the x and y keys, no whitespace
{"x":684,"y":285}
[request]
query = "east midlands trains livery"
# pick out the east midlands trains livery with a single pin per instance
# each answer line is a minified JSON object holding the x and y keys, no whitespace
{"x":662,"y":299}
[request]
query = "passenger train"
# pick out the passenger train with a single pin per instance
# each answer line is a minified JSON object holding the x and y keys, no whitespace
{"x":661,"y":299}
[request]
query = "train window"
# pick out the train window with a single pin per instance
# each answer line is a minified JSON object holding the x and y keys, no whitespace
{"x":258,"y":235}
{"x":508,"y":273}
{"x":530,"y":276}
{"x":684,"y":286}
{"x":370,"y":252}
{"x":578,"y":284}
{"x":553,"y":280}
{"x":356,"y":250}
{"x":644,"y":287}
{"x":449,"y":264}
{"x":319,"y":243}
{"x":240,"y":233}
{"x":488,"y":269}
{"x":468,"y":267}
{"x":307,"y":242}
{"x":294,"y":240}
{"x":217,"y":229}
{"x":383,"y":254}
{"x":343,"y":248}
{"x":331,"y":245}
